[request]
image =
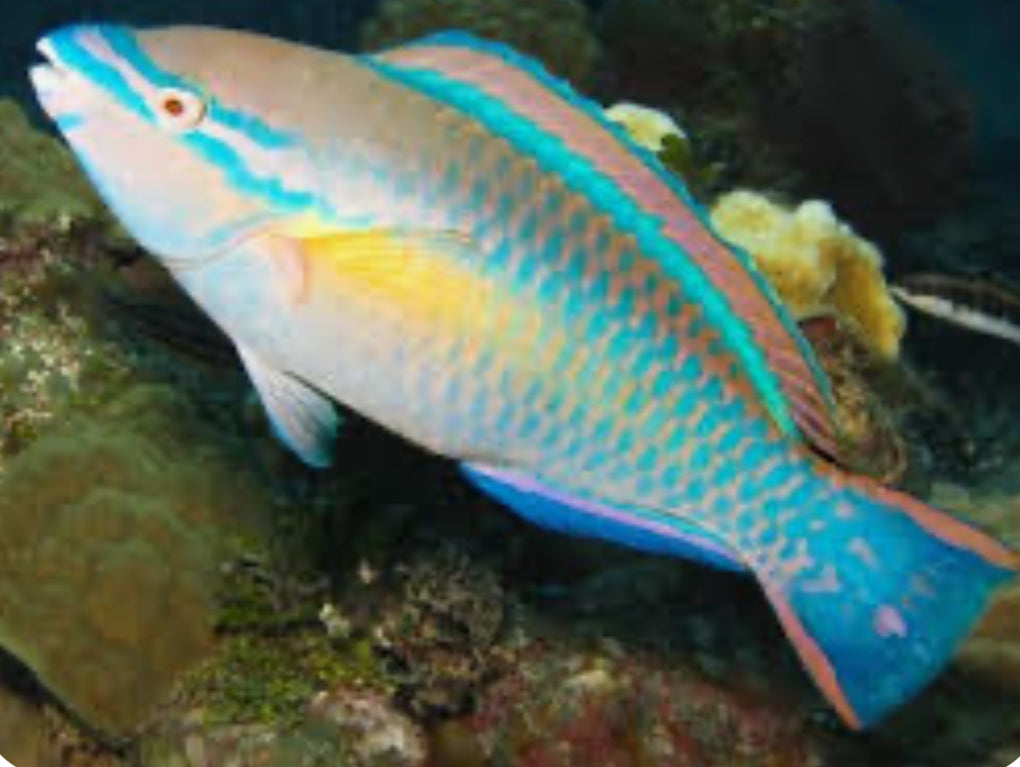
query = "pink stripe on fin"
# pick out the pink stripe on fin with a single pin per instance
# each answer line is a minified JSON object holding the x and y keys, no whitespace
{"x":560,"y":510}
{"x":597,"y":143}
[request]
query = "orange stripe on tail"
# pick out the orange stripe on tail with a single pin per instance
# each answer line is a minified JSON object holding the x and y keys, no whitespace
{"x":811,"y":655}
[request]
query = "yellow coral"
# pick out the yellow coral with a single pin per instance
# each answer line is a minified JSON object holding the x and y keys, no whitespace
{"x":648,"y":127}
{"x":816,"y":263}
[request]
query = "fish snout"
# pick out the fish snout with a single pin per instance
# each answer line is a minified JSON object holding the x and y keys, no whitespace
{"x":57,"y":86}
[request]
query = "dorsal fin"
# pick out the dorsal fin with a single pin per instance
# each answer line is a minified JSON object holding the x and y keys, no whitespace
{"x":779,"y":360}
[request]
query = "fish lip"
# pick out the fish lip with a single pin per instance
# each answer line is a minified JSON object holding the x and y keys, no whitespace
{"x":44,"y":46}
{"x":49,"y":77}
{"x":51,"y":60}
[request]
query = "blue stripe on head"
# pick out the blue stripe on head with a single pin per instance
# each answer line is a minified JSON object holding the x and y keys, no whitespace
{"x":66,"y":43}
{"x":215,"y":150}
{"x":124,"y":44}
{"x":255,"y":129}
{"x":67,"y":122}
{"x":271,"y":189}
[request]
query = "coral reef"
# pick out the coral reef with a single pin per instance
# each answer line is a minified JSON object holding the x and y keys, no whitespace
{"x":557,"y":34}
{"x":53,"y":359}
{"x":706,"y":63}
{"x":172,"y":574}
{"x":601,"y":708}
{"x":273,"y":652}
{"x":816,"y":264}
{"x":442,"y":632}
{"x":373,"y":731}
{"x":970,"y":374}
{"x":871,"y":442}
{"x":346,"y":726}
{"x":56,"y":245}
{"x":38,"y":734}
{"x":112,"y":528}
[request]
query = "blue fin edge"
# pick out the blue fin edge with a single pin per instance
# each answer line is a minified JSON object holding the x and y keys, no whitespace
{"x":560,"y":511}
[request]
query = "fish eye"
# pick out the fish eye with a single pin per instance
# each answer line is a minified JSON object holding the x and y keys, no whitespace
{"x":179,"y":110}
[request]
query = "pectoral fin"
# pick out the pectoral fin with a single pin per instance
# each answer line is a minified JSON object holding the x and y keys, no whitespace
{"x":431,"y":278}
{"x":305,"y":420}
{"x":424,"y":269}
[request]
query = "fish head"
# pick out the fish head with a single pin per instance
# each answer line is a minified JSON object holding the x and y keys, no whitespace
{"x":168,"y":125}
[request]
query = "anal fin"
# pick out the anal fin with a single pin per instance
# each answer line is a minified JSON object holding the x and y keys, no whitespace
{"x":561,"y":511}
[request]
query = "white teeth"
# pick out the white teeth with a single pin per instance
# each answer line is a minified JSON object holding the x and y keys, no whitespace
{"x":47,"y":77}
{"x":45,"y":47}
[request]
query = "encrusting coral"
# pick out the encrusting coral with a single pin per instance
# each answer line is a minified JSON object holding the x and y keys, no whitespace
{"x":816,"y":263}
{"x":112,"y":524}
{"x":648,"y":127}
{"x":658,"y":132}
{"x":559,"y":34}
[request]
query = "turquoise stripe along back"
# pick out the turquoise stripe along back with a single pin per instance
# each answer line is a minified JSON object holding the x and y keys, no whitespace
{"x":581,"y":176}
{"x":540,"y":75}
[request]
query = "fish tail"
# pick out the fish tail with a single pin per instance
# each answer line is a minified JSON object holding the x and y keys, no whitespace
{"x":888,"y":589}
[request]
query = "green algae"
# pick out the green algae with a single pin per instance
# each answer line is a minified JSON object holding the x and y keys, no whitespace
{"x":273,"y":651}
{"x":270,"y":680}
{"x":40,"y":183}
{"x":678,"y":155}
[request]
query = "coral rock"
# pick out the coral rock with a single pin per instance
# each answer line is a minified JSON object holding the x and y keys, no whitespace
{"x":111,"y":529}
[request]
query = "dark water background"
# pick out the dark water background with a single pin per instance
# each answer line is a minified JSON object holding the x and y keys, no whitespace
{"x":981,"y":40}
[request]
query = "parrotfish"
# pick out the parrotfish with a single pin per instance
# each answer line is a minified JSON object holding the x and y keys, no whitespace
{"x":452,"y":242}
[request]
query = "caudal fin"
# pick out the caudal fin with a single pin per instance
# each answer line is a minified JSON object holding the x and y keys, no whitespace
{"x":893,"y":587}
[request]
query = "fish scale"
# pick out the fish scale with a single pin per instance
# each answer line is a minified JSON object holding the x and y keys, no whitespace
{"x":449,"y":240}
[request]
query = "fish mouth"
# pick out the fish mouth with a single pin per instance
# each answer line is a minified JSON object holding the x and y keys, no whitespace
{"x":51,"y":80}
{"x":51,"y":72}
